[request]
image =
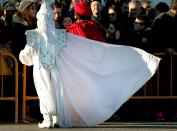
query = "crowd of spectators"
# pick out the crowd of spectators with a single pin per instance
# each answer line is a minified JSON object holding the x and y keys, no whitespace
{"x":135,"y":23}
{"x":127,"y":22}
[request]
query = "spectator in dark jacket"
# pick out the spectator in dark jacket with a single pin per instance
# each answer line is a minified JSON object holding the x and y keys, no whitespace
{"x":164,"y":29}
{"x":24,"y":19}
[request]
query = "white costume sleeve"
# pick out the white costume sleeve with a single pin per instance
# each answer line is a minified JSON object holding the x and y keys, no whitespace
{"x":26,"y":55}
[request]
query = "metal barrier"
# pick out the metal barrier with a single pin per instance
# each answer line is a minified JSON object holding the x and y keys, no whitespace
{"x":153,"y":82}
{"x":25,"y":97}
{"x":14,"y":73}
{"x":156,"y":80}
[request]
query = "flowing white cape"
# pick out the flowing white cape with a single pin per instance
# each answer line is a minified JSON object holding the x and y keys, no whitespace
{"x":85,"y":81}
{"x":92,"y":79}
{"x":98,"y":77}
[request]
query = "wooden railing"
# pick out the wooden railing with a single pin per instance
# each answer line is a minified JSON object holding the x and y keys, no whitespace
{"x":25,"y":96}
{"x":13,"y":72}
{"x":153,"y":88}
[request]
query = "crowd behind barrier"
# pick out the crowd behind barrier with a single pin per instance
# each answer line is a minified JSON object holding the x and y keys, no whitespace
{"x":124,"y":21}
{"x":160,"y":87}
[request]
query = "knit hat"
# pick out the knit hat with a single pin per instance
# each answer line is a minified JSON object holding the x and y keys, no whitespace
{"x":24,"y":4}
{"x":82,"y":8}
{"x":9,"y":6}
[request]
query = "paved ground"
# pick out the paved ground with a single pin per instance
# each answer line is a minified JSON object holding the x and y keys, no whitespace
{"x":103,"y":127}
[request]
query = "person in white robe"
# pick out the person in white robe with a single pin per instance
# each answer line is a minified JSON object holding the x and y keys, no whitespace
{"x":82,"y":81}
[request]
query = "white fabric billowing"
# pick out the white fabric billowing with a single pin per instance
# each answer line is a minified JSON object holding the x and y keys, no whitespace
{"x":92,"y":79}
{"x":98,"y":78}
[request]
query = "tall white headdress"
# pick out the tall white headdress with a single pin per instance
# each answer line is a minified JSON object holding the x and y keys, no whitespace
{"x":50,"y":40}
{"x":45,"y":22}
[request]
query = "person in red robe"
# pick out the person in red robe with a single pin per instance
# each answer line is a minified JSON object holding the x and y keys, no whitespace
{"x":84,"y":26}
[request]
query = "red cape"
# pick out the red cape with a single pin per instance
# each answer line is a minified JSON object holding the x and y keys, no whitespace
{"x":87,"y":29}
